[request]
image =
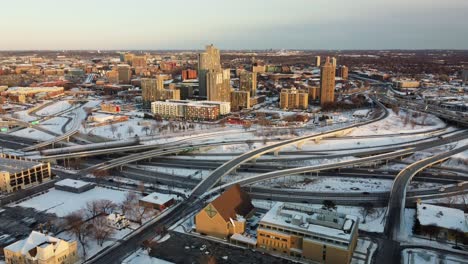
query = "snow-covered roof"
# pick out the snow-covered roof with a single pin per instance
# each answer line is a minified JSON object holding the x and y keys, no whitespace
{"x":34,"y":240}
{"x":244,"y":239}
{"x":313,"y":221}
{"x":445,"y":217}
{"x":158,"y":198}
{"x":72,"y":183}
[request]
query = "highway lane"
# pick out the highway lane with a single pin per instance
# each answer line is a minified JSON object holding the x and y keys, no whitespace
{"x":119,"y":250}
{"x":231,"y":165}
{"x":396,"y":205}
{"x":281,"y":173}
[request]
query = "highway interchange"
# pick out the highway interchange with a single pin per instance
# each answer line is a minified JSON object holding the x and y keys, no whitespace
{"x":252,"y":161}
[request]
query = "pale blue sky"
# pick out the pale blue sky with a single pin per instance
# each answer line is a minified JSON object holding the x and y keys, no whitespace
{"x":238,"y":24}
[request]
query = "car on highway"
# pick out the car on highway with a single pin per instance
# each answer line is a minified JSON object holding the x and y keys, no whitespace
{"x":365,"y":193}
{"x":442,"y":189}
{"x":460,"y":184}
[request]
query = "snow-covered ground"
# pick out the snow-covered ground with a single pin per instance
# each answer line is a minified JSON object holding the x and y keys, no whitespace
{"x":92,"y":247}
{"x":424,"y":256}
{"x":343,"y":184}
{"x":396,"y":124}
{"x":141,"y":257}
{"x":55,"y":124}
{"x":62,"y":203}
{"x":33,"y":134}
{"x":54,"y":108}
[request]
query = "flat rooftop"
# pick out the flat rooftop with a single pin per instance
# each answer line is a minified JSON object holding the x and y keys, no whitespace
{"x":13,"y":166}
{"x":158,"y":198}
{"x":312,"y":221}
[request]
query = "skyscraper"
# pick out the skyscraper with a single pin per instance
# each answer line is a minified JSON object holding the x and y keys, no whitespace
{"x":248,"y":82}
{"x":333,"y":62}
{"x":342,"y":72}
{"x":317,"y":61}
{"x":151,"y":88}
{"x":124,"y":73}
{"x":218,"y":85}
{"x":214,"y":82}
{"x":327,"y":83}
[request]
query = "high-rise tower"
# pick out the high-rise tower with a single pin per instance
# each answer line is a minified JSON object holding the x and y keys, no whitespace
{"x":327,"y":83}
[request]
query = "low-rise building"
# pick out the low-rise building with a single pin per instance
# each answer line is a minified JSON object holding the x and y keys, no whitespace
{"x":314,"y":234}
{"x":441,"y":222}
{"x":111,"y":108}
{"x":117,"y":221}
{"x":294,"y":99}
{"x":159,"y":201}
{"x":74,"y":186}
{"x":194,"y":110}
{"x":17,"y":173}
{"x":40,"y":248}
{"x":225,"y":215}
{"x":402,"y":84}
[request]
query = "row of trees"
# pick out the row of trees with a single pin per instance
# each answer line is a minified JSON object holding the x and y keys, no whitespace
{"x":91,"y":221}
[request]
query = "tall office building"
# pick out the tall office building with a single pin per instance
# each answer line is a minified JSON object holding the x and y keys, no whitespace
{"x":139,"y":61}
{"x":214,"y":82}
{"x":210,"y":59}
{"x":248,"y":82}
{"x":151,"y":88}
{"x":327,"y":83}
{"x":333,"y":62}
{"x":128,"y":58}
{"x":342,"y":72}
{"x":218,"y":85}
{"x":125,"y":73}
{"x":317,"y":61}
{"x":465,"y":76}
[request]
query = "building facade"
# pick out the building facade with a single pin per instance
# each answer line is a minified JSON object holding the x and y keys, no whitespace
{"x":193,"y":110}
{"x":317,"y":61}
{"x":40,"y":248}
{"x":189,"y":74}
{"x":342,"y":72}
{"x":125,"y":73}
{"x":314,"y":234}
{"x":327,"y":83}
{"x":225,"y":215}
{"x":240,"y":100}
{"x":294,"y":99}
{"x":248,"y":82}
{"x":17,"y":173}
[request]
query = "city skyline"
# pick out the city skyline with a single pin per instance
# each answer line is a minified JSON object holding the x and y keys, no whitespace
{"x":182,"y":25}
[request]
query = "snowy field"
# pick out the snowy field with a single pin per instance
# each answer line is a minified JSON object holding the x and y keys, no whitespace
{"x":395,"y":124}
{"x":54,"y":108}
{"x":62,"y":203}
{"x":33,"y":134}
{"x":92,"y":247}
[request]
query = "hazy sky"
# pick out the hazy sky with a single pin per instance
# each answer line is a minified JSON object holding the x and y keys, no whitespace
{"x":238,"y":24}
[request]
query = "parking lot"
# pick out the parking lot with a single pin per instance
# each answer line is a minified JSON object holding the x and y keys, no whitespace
{"x":187,"y":249}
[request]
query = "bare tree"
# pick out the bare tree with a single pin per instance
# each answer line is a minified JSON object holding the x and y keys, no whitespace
{"x":366,"y":210}
{"x":130,"y":130}
{"x":119,"y":135}
{"x":101,"y":231}
{"x":79,"y":227}
{"x":113,"y":129}
{"x":145,"y":129}
{"x":100,"y":175}
{"x":141,"y":188}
